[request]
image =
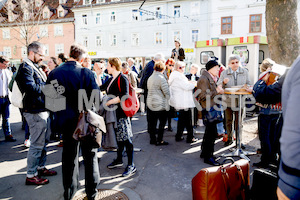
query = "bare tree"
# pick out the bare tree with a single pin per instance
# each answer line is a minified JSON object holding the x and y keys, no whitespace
{"x":282,"y":30}
{"x":23,"y":18}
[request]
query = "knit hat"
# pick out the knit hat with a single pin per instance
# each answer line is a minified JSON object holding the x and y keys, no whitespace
{"x":210,"y":64}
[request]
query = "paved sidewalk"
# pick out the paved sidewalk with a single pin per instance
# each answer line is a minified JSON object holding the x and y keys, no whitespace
{"x":163,"y":172}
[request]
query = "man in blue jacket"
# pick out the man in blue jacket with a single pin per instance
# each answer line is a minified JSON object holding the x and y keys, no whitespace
{"x":31,"y":81}
{"x":73,"y":77}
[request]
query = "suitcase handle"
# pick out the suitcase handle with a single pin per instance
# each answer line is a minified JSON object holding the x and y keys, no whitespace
{"x":226,"y":159}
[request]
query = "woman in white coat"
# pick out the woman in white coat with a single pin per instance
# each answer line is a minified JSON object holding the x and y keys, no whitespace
{"x":181,"y":91}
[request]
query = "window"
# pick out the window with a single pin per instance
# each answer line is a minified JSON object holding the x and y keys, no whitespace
{"x":158,"y":12}
{"x":23,"y":33}
{"x":10,"y":17}
{"x":61,"y":13}
{"x":37,"y":3}
{"x":135,"y":15}
{"x":24,"y":52}
{"x":45,"y":15}
{"x":195,"y":8}
{"x":62,"y":1}
{"x":98,"y":18}
{"x":205,"y":56}
{"x":195,"y":35}
{"x":84,"y":19}
{"x":243,"y":54}
{"x":85,"y":41}
{"x":177,"y":35}
{"x":7,"y":51}
{"x":177,"y":11}
{"x":44,"y":31}
{"x":113,"y":40}
{"x":59,"y":48}
{"x":46,"y":49}
{"x":6,"y":33}
{"x":135,"y":39}
{"x":26,"y":16}
{"x":255,"y":23}
{"x":158,"y":38}
{"x":113,"y":17}
{"x":98,"y":41}
{"x":87,"y":2}
{"x":226,"y":25}
{"x":58,"y":30}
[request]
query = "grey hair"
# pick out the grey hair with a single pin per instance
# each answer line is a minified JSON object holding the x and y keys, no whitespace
{"x":233,"y":57}
{"x":179,"y":64}
{"x":131,"y":59}
{"x":34,"y":46}
{"x":195,"y":66}
{"x":159,"y":57}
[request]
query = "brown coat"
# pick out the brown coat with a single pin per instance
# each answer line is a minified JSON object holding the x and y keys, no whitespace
{"x":207,"y":87}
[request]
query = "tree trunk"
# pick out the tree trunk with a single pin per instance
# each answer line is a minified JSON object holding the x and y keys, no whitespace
{"x":282,"y":31}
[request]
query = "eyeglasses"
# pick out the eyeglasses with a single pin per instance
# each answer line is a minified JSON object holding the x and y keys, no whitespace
{"x":39,"y":54}
{"x":234,"y":62}
{"x":171,"y":65}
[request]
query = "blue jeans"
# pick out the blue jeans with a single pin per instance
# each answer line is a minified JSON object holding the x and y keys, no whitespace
{"x":39,"y":127}
{"x":4,"y":111}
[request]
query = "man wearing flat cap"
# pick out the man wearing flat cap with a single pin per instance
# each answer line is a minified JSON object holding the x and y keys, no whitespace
{"x":178,"y":52}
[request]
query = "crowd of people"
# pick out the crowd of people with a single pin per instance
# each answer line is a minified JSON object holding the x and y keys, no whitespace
{"x":168,"y":92}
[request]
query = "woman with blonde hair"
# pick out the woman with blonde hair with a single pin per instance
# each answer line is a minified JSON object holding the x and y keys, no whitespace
{"x":118,"y":87}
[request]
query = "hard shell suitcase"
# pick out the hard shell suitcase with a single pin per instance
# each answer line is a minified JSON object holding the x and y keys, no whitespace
{"x":264,"y":185}
{"x":230,"y":181}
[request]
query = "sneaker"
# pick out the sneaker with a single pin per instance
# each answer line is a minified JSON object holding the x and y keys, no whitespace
{"x":27,"y":143}
{"x":115,"y":164}
{"x":130,"y":169}
{"x":46,"y":172}
{"x":10,"y":138}
{"x":179,"y":139}
{"x":36,"y":181}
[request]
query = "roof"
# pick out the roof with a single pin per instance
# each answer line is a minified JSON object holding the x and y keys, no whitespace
{"x":107,"y":2}
{"x":51,"y":4}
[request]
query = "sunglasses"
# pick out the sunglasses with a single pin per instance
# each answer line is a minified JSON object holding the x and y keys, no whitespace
{"x":171,"y":65}
{"x":235,"y":62}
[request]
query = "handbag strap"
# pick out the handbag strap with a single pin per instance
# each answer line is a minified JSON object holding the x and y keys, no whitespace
{"x":226,"y":180}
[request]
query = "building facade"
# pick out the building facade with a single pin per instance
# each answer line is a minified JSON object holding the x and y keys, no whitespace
{"x":52,"y":24}
{"x":123,"y":29}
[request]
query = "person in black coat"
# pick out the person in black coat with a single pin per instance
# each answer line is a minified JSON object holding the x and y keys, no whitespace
{"x":73,"y":77}
{"x":178,"y":52}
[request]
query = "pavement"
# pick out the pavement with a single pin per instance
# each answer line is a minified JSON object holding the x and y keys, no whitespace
{"x":163,"y":172}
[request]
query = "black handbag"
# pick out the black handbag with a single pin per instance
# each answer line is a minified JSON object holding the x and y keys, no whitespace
{"x":213,"y":115}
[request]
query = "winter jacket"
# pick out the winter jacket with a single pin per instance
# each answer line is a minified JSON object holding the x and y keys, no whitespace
{"x":181,"y":91}
{"x":269,"y":97}
{"x":207,"y":87}
{"x":242,"y":78}
{"x":31,"y":82}
{"x":158,"y":92}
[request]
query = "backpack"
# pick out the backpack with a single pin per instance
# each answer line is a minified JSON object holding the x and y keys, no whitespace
{"x":131,"y":105}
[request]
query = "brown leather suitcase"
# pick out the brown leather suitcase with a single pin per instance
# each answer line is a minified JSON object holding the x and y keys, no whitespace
{"x":229,"y":181}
